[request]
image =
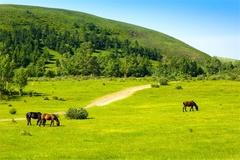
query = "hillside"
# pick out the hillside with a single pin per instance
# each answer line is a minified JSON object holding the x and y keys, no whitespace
{"x":44,"y":42}
{"x":13,"y":16}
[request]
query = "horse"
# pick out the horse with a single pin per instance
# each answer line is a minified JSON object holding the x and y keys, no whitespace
{"x":51,"y":117}
{"x":189,"y":104}
{"x":34,"y":115}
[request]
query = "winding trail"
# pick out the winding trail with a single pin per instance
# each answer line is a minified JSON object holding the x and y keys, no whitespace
{"x":103,"y":100}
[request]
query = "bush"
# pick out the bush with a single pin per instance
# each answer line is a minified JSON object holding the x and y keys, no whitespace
{"x":201,"y":77}
{"x":61,"y":99}
{"x":25,"y":133}
{"x":13,"y":111}
{"x":77,"y":113}
{"x":178,"y":87}
{"x":55,"y":97}
{"x":46,"y":98}
{"x":163,"y":81}
{"x":50,"y":74}
{"x":155,"y":85}
{"x":14,"y":121}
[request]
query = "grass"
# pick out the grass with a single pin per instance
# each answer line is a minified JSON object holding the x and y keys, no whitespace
{"x":76,"y":93}
{"x":51,"y":64}
{"x":148,"y":125}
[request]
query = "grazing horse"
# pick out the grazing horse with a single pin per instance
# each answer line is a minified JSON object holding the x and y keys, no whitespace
{"x":52,"y":117}
{"x":34,"y":115}
{"x":189,"y":104}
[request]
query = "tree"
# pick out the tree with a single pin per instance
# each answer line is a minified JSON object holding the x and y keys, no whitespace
{"x":125,"y":66}
{"x":6,"y":72}
{"x":20,"y":78}
{"x":84,"y":61}
{"x":111,"y":64}
{"x":213,"y":66}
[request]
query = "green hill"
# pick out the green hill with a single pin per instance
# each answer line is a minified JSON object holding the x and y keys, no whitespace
{"x":13,"y":16}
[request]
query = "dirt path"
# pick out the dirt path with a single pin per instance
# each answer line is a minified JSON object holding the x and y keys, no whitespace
{"x":103,"y":100}
{"x":116,"y":96}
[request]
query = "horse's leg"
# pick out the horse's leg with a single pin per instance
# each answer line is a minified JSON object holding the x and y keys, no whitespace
{"x":44,"y":122}
{"x":38,"y":121}
{"x":52,"y":123}
{"x":184,"y":108}
{"x":30,"y":121}
{"x":27,"y":121}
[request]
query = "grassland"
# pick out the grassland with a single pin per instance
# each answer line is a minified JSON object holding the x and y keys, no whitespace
{"x":148,"y":125}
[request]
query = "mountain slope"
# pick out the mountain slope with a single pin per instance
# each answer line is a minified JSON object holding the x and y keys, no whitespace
{"x":13,"y":16}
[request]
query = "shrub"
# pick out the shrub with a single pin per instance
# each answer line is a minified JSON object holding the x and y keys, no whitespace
{"x":201,"y":77}
{"x":178,"y":87}
{"x":14,"y":121}
{"x":50,"y":74}
{"x":46,"y":98}
{"x":55,"y":97}
{"x":155,"y":85}
{"x":61,"y":99}
{"x":77,"y":113}
{"x":13,"y":111}
{"x":25,"y":133}
{"x":163,"y":81}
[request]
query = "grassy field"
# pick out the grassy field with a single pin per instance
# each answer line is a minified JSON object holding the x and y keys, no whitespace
{"x":148,"y":125}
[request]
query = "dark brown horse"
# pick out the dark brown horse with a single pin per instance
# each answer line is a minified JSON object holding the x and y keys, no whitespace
{"x":34,"y":115}
{"x":52,"y":117}
{"x":189,"y":104}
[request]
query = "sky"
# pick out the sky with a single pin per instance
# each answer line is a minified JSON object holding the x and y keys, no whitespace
{"x":212,"y":26}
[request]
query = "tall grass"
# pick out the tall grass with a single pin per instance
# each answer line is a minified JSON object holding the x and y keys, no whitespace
{"x":148,"y":125}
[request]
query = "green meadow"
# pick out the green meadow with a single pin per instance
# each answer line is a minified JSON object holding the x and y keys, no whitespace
{"x":150,"y":124}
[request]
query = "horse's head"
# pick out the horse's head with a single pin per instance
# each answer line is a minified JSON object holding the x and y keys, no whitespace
{"x":196,"y":107}
{"x":58,"y":123}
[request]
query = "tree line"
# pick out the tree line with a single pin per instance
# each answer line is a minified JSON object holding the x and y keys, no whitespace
{"x":89,"y":50}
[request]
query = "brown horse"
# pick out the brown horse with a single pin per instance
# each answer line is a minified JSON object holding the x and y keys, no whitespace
{"x":189,"y":104}
{"x":52,"y":117}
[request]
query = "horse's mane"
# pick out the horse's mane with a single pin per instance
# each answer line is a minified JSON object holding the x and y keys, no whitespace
{"x":195,"y":103}
{"x":56,"y":118}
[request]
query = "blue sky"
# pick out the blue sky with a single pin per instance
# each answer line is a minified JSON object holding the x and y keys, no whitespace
{"x":212,"y":26}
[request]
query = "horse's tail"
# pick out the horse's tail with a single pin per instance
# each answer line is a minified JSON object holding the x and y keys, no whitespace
{"x":195,"y":105}
{"x":39,"y":117}
{"x":28,"y":117}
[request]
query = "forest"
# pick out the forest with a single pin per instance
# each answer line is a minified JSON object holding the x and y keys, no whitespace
{"x":91,"y":50}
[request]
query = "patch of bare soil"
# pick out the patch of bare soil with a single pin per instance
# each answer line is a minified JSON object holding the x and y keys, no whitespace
{"x":103,"y":100}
